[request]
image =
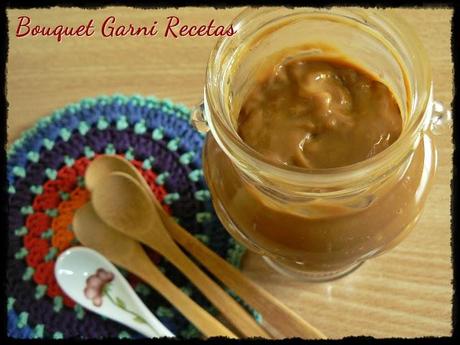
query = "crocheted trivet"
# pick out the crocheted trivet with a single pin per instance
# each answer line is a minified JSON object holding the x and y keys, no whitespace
{"x":45,"y":170}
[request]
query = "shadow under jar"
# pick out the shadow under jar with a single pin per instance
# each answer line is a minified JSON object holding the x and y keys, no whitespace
{"x":319,"y":224}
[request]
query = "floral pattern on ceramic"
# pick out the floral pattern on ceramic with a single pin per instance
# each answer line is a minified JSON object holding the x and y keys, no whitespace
{"x":95,"y":285}
{"x":98,"y":285}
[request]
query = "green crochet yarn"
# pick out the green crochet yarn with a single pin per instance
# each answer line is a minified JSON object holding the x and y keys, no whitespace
{"x":173,"y":144}
{"x":19,"y":171}
{"x":164,"y":312}
{"x":33,"y":156}
{"x":58,"y":304}
{"x":65,"y":134}
{"x":129,"y":154}
{"x":40,"y":291}
{"x":51,"y":254}
{"x":142,"y":289}
{"x":124,"y":335}
{"x":83,"y":128}
{"x":28,"y":274}
{"x":51,"y":173}
{"x":171,"y":197}
{"x":202,"y":195}
{"x":23,"y":319}
{"x":158,"y":133}
{"x":48,"y":144}
{"x":203,"y":238}
{"x":69,"y":161}
{"x":21,"y":254}
{"x":203,"y":217}
{"x":161,"y":178}
{"x":21,"y":231}
{"x":186,"y":158}
{"x":195,"y":175}
{"x":10,"y":303}
{"x":140,"y":127}
{"x":52,"y":212}
{"x":79,"y":311}
{"x":58,"y":335}
{"x":102,"y":124}
{"x":47,"y":234}
{"x":122,"y":123}
{"x":36,"y":189}
{"x":148,"y":163}
{"x":89,"y":152}
{"x":64,"y":195}
{"x":110,"y":150}
{"x":39,"y":330}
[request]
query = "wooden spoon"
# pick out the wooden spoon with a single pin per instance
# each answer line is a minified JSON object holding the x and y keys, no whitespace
{"x":275,"y":313}
{"x":123,"y":204}
{"x":129,"y":254}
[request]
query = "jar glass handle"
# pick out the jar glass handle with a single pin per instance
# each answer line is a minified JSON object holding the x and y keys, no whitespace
{"x":441,"y":118}
{"x":198,"y":119}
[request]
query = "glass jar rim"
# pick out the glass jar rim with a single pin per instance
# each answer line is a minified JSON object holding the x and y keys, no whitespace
{"x":385,"y":160}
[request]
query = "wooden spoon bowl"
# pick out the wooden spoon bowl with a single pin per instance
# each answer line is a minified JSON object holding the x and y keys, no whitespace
{"x":124,"y":204}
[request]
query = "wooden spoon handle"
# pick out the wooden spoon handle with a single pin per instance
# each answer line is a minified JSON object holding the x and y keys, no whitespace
{"x":230,"y":309}
{"x":204,"y":321}
{"x":273,"y":311}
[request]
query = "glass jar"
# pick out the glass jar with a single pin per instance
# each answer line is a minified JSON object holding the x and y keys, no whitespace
{"x":319,"y":224}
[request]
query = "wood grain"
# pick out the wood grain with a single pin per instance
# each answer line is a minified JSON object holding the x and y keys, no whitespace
{"x":404,"y":293}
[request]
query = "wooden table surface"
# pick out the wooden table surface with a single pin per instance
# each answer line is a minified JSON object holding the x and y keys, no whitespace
{"x":404,"y":293}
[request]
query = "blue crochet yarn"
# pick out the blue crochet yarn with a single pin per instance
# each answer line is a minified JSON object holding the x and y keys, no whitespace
{"x":13,"y":330}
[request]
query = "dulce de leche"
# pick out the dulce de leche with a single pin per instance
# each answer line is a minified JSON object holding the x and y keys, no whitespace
{"x":319,"y":113}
